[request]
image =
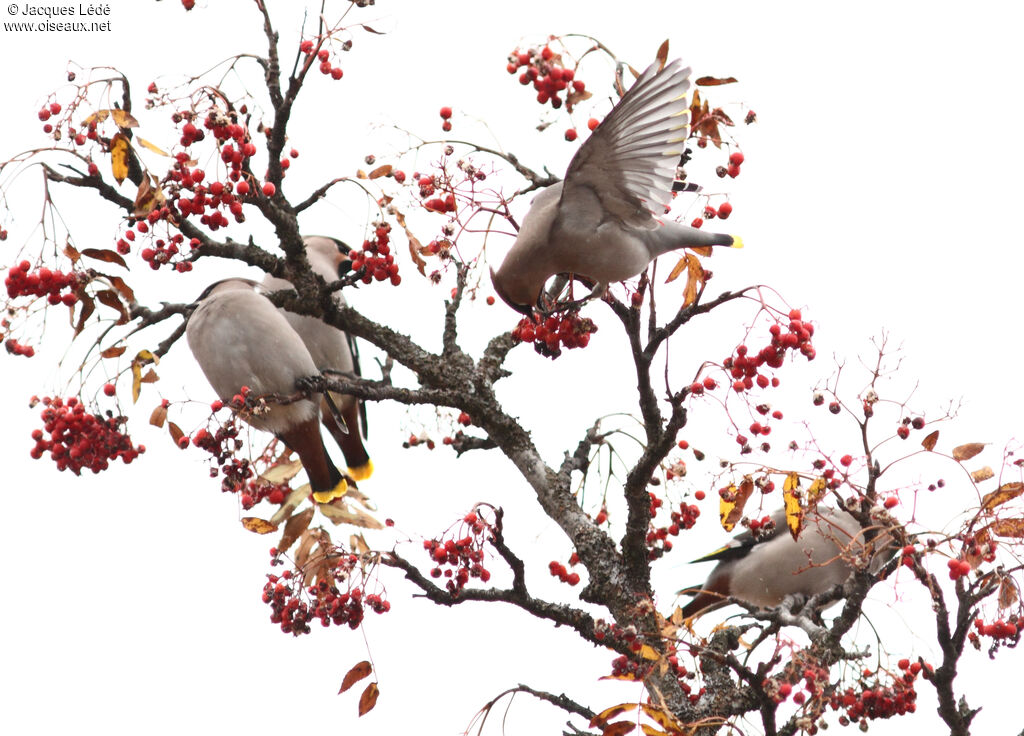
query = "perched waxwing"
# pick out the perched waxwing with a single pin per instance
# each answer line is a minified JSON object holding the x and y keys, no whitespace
{"x":602,"y":221}
{"x":332,"y":349}
{"x":764,"y":570}
{"x":240,"y":339}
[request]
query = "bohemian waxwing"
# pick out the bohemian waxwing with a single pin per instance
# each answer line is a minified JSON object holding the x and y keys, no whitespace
{"x":602,"y":221}
{"x":334,"y":350}
{"x":763,"y":571}
{"x":240,"y":339}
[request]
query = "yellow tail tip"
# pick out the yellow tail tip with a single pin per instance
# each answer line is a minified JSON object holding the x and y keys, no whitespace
{"x":737,"y":242}
{"x":362,"y":472}
{"x":327,"y":496}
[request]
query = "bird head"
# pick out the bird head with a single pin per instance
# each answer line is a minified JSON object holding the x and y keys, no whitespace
{"x":526,"y":309}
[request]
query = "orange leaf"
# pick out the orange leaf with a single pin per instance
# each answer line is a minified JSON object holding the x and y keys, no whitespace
{"x":257,"y":525}
{"x":714,"y":81}
{"x":175,"y":430}
{"x":368,"y":699}
{"x":966,"y":452}
{"x":113,"y":352}
{"x":619,"y":728}
{"x":652,"y":731}
{"x":676,"y":270}
{"x":1005,"y":492}
{"x":355,"y":674}
{"x":380,"y":171}
{"x":930,"y":441}
{"x":159,"y":416}
{"x":107,"y":256}
{"x":71,"y":252}
{"x":608,"y":713}
{"x":119,"y":157}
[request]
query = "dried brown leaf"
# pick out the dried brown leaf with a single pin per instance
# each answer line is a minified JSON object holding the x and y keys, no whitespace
{"x":107,"y":256}
{"x":109,"y":298}
{"x":88,"y":307}
{"x":71,"y":252}
{"x":354,"y":675}
{"x":357,"y":543}
{"x":714,"y":81}
{"x":150,"y":377}
{"x":982,"y":474}
{"x":123,"y":289}
{"x":175,"y":430}
{"x":148,"y":198}
{"x":1008,"y":527}
{"x":294,"y":529}
{"x":966,"y":452}
{"x":380,"y":171}
{"x":257,"y":525}
{"x":159,"y":416}
{"x":930,"y":441}
{"x":119,"y":151}
{"x":368,"y":699}
{"x":340,"y":513}
{"x":1005,"y":492}
{"x":652,"y":731}
{"x":415,"y":248}
{"x":113,"y":352}
{"x":1008,"y":593}
{"x":281,"y":472}
{"x":662,"y":55}
{"x":307,"y":541}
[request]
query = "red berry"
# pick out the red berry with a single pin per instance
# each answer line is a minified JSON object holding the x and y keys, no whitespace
{"x":109,"y":389}
{"x":724,"y":210}
{"x":699,"y":495}
{"x":891,"y":502}
{"x":446,"y":112}
{"x":845,"y":461}
{"x":570,"y":134}
{"x":269,"y":189}
{"x":736,"y":158}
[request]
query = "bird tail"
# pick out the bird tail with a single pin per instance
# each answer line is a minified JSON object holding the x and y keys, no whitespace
{"x":673,"y":236}
{"x":351,"y":442}
{"x":325,"y":479}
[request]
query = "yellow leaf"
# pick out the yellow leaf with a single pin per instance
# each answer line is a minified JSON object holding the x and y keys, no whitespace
{"x":608,"y":713}
{"x":124,"y":119}
{"x":815,"y":490}
{"x":259,"y":526}
{"x":929,"y":442}
{"x":966,"y":452}
{"x":664,"y":719}
{"x":368,"y":699}
{"x":158,"y":416}
{"x":152,"y":147}
{"x":652,"y":731}
{"x":136,"y":381}
{"x":794,"y":510}
{"x":119,"y":157}
{"x":648,"y":652}
{"x":97,"y":117}
{"x":982,"y":474}
{"x":792,"y":482}
{"x":354,"y":675}
{"x":676,"y":270}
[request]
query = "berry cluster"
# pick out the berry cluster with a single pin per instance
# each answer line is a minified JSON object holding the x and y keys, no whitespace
{"x":877,"y":700}
{"x":733,"y":169}
{"x":238,"y":473}
{"x":293,"y":606}
{"x":558,"y":570}
{"x":658,"y":542}
{"x":77,"y":439}
{"x":461,"y":557}
{"x":446,"y":118}
{"x":16,"y":348}
{"x":903,"y":430}
{"x":375,"y":259}
{"x":545,"y":72}
{"x":21,"y":281}
{"x":557,"y":331}
{"x":324,"y":57}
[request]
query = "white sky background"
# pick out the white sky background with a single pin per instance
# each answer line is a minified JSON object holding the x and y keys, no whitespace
{"x":879,"y":191}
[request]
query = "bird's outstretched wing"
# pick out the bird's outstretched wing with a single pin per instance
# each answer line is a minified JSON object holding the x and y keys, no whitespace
{"x":629,"y":161}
